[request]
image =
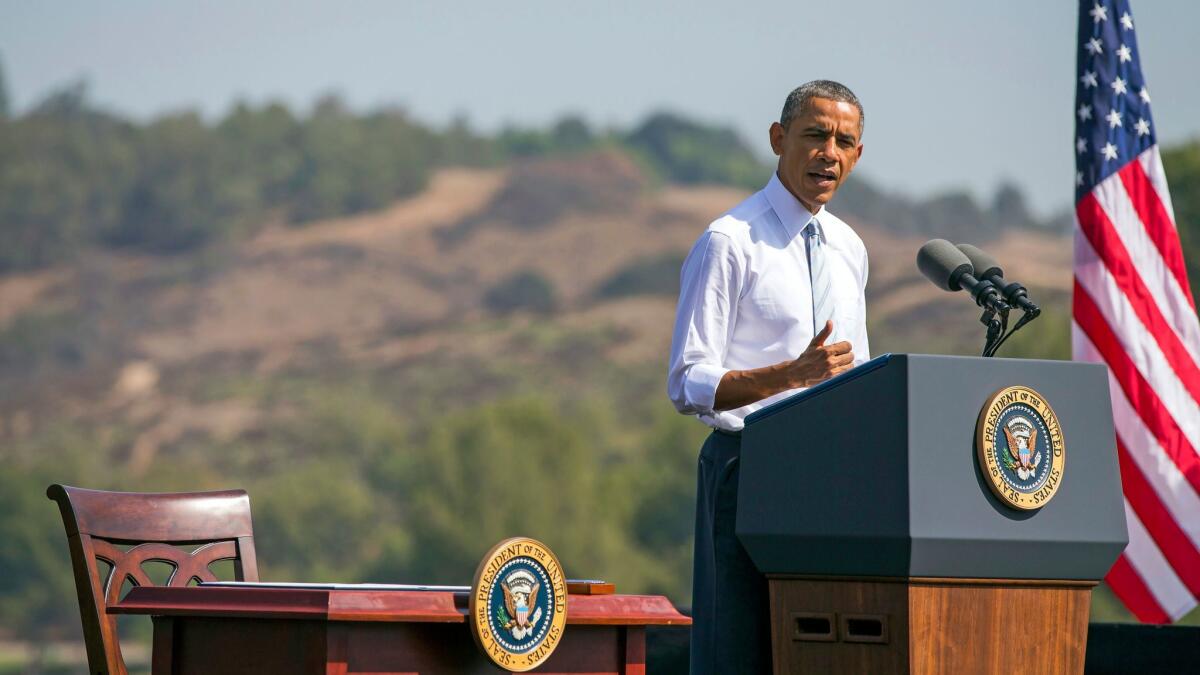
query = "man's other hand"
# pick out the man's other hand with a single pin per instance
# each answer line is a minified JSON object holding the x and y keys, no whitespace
{"x":818,"y":363}
{"x":821,"y":361}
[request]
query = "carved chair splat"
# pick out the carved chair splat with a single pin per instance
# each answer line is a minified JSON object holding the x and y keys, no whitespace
{"x":98,"y":524}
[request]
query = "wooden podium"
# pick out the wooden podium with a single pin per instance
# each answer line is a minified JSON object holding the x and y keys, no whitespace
{"x":863,"y":502}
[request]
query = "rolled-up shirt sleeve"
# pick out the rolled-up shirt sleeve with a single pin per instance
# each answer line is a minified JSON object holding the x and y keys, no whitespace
{"x":710,"y":284}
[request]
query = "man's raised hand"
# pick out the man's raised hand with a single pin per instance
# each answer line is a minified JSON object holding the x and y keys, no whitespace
{"x":821,"y":361}
{"x":818,"y":363}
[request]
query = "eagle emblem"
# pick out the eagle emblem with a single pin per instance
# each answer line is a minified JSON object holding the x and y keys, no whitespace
{"x":518,"y":607}
{"x":520,"y":599}
{"x":1020,"y":446}
{"x":1023,"y":457}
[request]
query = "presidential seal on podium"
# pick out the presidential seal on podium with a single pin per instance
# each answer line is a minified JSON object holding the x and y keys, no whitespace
{"x":518,"y":604}
{"x":1020,"y":447}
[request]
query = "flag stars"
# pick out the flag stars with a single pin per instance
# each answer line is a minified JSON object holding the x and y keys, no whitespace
{"x":1098,"y":13}
{"x":1080,"y":145}
{"x":1142,"y":127}
{"x":1123,"y":54}
{"x":1110,"y":151}
{"x":1144,"y":94}
{"x":1085,"y":112}
{"x":1079,"y":178}
{"x":1118,"y":86}
{"x":1088,"y":80}
{"x":1114,"y":119}
{"x":1126,"y":21}
{"x":1094,"y":47}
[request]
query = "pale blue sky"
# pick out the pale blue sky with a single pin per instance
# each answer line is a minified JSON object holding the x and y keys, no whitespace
{"x":957,"y":92}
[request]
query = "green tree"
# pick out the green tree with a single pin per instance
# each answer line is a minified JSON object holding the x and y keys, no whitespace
{"x":350,"y":164}
{"x":522,"y":142}
{"x":571,"y":134}
{"x":1009,"y":208}
{"x":64,"y":173}
{"x":1182,"y":165}
{"x":685,"y":151}
{"x":262,"y":149}
{"x":459,"y":145}
{"x":516,"y":466}
{"x":4,"y":104}
{"x":185,"y":195}
{"x":318,"y":520}
{"x":37,"y":592}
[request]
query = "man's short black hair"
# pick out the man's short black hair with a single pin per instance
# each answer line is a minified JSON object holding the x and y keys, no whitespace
{"x":834,"y":91}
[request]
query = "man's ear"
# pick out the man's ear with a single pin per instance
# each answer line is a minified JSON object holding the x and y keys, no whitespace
{"x":777,"y":133}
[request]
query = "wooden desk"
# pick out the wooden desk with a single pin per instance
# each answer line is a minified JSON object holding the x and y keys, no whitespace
{"x":281,"y":630}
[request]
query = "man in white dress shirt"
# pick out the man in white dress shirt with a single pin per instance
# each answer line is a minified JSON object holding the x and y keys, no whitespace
{"x":771,"y":302}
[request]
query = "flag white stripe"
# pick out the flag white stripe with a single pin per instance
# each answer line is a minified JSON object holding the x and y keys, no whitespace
{"x":1170,"y":298}
{"x":1155,"y":571}
{"x":1138,"y":344}
{"x":1169,"y":483}
{"x":1152,"y":164}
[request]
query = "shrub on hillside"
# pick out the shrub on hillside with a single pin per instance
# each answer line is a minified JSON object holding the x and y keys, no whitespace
{"x":524,"y":291}
{"x":655,"y":275}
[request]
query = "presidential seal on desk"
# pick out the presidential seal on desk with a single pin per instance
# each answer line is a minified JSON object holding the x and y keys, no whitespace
{"x":518,"y":604}
{"x":1020,"y":447}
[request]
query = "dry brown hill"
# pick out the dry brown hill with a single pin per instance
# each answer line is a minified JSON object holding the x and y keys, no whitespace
{"x":126,"y":338}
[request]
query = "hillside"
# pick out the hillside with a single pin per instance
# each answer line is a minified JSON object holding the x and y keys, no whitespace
{"x":378,"y":382}
{"x":391,"y":288}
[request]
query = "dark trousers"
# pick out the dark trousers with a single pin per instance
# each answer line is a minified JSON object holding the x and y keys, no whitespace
{"x":731,"y":629}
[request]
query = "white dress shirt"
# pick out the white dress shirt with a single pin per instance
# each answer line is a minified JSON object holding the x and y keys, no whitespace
{"x":745,"y":299}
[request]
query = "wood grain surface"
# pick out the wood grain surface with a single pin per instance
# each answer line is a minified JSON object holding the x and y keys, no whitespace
{"x":931,"y":626}
{"x":332,"y":631}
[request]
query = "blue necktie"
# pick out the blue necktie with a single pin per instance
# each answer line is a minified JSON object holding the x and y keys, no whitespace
{"x":819,"y":274}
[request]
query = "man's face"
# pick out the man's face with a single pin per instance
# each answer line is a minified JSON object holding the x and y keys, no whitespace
{"x":817,"y":150}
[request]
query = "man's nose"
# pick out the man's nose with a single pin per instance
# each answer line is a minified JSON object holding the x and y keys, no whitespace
{"x":828,"y":149}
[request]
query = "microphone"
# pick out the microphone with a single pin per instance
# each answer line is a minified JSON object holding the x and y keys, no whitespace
{"x":988,"y":269}
{"x":951,"y":270}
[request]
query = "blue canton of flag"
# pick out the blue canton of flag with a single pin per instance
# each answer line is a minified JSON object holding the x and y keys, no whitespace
{"x":1112,"y":105}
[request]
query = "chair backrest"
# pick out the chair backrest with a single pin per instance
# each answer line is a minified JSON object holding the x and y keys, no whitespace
{"x":153,"y":525}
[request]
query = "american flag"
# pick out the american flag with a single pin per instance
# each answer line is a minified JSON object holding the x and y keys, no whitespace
{"x":1133,"y":310}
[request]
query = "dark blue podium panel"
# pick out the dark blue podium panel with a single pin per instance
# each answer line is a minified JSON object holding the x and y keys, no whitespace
{"x":875,"y":473}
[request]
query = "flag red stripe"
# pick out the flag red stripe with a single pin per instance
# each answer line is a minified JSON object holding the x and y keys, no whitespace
{"x":1128,"y":586}
{"x":1174,"y":543}
{"x":1157,"y":222}
{"x":1099,"y":230}
{"x":1141,"y":395}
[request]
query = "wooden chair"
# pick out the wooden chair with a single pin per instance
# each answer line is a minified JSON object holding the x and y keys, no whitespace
{"x":99,"y":524}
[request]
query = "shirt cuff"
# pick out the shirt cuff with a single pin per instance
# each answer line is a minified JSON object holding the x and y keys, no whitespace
{"x":700,"y":385}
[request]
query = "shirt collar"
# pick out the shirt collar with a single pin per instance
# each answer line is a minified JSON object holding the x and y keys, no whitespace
{"x":791,"y":212}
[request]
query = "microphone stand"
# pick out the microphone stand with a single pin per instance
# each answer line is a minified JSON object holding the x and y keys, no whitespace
{"x":1029,"y":315}
{"x":995,"y":309}
{"x":996,"y":326}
